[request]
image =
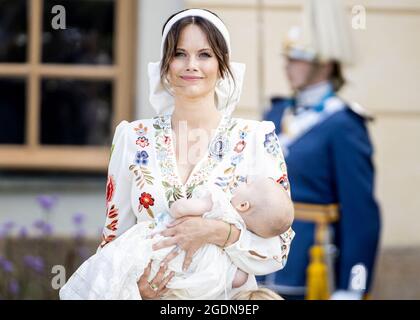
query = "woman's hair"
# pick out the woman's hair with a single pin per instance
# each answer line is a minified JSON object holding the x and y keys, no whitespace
{"x":258,"y":294}
{"x":214,"y":37}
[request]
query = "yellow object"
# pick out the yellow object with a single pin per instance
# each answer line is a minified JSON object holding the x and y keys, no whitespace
{"x":316,"y":275}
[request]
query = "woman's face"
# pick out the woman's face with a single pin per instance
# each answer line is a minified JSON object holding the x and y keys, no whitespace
{"x":194,"y":70}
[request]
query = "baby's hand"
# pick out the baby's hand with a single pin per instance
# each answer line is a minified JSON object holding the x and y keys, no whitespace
{"x":191,"y":207}
{"x":179,"y":208}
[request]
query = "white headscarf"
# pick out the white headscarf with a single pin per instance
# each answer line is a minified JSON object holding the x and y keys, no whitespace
{"x":227,"y":91}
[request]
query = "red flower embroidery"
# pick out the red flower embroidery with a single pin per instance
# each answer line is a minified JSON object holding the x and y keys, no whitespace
{"x":112,"y":212}
{"x":110,"y":188}
{"x":240,"y":146}
{"x":107,"y":239}
{"x":146,"y":200}
{"x":142,"y":142}
{"x":167,"y":140}
{"x":283,"y":181}
{"x":113,"y":225}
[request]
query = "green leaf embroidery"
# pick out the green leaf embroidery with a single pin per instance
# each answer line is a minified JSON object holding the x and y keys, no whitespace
{"x":112,"y":150}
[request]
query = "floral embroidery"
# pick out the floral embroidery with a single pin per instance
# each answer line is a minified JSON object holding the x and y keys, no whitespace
{"x":141,"y":130}
{"x":234,"y":161}
{"x":112,"y":151}
{"x":142,"y":158}
{"x":287,"y":236}
{"x":110,"y":188}
{"x":174,"y":190}
{"x":240,"y":146}
{"x":111,"y":211}
{"x":141,"y":172}
{"x":142,"y":175}
{"x":283,"y":181}
{"x":223,"y":135}
{"x":231,"y":180}
{"x":107,"y":239}
{"x":271,"y":144}
{"x":112,"y":226}
{"x":191,"y":188}
{"x":142,"y":142}
{"x":146,"y":201}
{"x":167,"y":140}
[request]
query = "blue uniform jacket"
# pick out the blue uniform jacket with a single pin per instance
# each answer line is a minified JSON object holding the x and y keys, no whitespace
{"x":332,"y":163}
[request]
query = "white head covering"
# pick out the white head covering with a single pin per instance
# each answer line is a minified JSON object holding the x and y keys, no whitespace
{"x":227,"y":91}
{"x":324,"y":34}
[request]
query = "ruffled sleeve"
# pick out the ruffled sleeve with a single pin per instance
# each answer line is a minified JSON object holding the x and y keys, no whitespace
{"x":251,"y":253}
{"x":119,"y":215}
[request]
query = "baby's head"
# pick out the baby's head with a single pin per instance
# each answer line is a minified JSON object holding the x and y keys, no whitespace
{"x":261,"y":203}
{"x":257,"y":294}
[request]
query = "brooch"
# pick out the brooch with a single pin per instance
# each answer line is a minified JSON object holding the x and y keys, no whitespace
{"x":219,"y":146}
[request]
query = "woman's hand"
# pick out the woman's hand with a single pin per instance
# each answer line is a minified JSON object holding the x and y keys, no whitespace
{"x":157,"y":287}
{"x":189,"y":233}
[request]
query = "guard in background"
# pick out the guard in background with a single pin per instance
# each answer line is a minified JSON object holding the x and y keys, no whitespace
{"x":329,"y":158}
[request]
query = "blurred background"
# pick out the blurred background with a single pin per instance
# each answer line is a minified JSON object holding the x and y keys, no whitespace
{"x":63,"y":91}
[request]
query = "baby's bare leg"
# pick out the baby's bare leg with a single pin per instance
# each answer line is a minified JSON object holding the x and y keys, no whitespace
{"x":240,"y":278}
{"x":191,"y":207}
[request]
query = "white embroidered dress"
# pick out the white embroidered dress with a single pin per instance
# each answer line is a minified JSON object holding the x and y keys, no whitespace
{"x":142,"y":184}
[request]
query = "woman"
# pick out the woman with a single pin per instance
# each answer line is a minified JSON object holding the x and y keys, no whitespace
{"x":194,"y":89}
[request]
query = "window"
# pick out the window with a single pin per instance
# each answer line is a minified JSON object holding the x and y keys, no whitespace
{"x":63,"y":91}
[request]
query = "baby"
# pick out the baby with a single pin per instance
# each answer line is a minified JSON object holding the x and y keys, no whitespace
{"x":258,"y":204}
{"x":113,"y":272}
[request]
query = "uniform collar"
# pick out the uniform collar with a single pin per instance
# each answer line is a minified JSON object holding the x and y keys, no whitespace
{"x":313,"y":95}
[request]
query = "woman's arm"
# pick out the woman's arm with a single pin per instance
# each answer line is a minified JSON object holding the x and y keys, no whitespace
{"x":252,"y":253}
{"x":119,"y":215}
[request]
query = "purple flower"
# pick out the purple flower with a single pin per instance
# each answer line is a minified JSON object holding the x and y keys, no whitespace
{"x":6,"y":228}
{"x":48,"y":229}
{"x":9,"y":225}
{"x":80,"y":234}
{"x":23,"y":232}
{"x":47,"y":202}
{"x":39,"y":224}
{"x":34,"y":262}
{"x":6,"y":265}
{"x":14,"y":287}
{"x":78,"y":218}
{"x":44,"y":227}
